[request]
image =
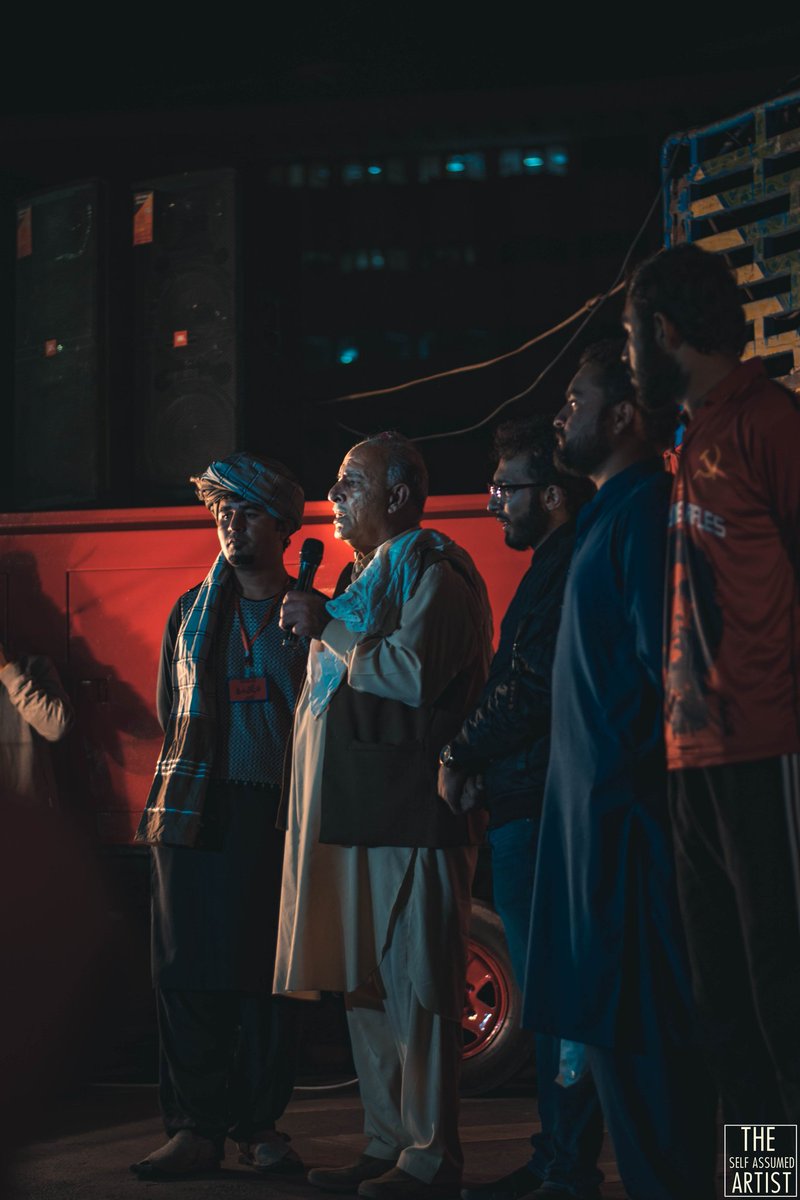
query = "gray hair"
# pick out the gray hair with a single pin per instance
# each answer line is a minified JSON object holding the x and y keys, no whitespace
{"x":404,"y":464}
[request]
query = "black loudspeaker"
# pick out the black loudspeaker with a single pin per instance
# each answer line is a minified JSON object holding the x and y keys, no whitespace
{"x":60,"y":392}
{"x":186,"y":338}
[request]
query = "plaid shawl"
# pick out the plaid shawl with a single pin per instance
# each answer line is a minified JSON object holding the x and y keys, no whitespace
{"x":173,"y":814}
{"x":174,"y":811}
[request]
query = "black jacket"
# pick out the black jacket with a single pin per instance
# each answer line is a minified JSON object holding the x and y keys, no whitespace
{"x":507,"y":737}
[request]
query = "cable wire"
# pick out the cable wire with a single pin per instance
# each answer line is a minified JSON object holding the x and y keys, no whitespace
{"x":326,"y":1087}
{"x":489,"y":362}
{"x":591,"y":308}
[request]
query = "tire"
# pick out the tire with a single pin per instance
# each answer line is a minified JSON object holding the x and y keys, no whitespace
{"x":495,"y":1045}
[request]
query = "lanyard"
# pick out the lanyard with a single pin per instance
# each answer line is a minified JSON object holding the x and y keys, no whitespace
{"x":248,"y":642}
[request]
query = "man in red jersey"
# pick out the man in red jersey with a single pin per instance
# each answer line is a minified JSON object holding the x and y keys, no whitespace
{"x":732,"y":671}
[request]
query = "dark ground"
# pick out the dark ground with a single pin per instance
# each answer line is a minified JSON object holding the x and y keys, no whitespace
{"x":105,"y":1129}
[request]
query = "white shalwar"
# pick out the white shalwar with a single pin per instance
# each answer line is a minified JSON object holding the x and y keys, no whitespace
{"x":391,"y":920}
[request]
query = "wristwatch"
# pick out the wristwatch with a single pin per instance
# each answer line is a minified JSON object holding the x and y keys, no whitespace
{"x":447,"y":757}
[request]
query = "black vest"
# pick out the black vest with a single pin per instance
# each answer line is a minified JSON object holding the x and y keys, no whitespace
{"x":382,"y":760}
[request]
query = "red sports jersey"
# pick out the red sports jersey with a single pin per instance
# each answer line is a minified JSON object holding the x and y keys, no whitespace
{"x":733,"y":651}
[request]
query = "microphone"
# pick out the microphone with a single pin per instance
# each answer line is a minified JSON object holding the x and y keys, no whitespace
{"x":311,"y":553}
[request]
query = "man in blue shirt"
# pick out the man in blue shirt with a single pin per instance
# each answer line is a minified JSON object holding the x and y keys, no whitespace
{"x":607,"y":961}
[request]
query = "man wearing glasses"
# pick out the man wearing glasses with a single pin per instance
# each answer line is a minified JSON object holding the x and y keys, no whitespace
{"x":506,"y":741}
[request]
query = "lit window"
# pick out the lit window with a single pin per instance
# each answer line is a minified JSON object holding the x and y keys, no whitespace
{"x":377,"y":260}
{"x":557,"y":161}
{"x":532,"y":162}
{"x":352,"y":173}
{"x":347,"y":353}
{"x":362,"y":260}
{"x":374,"y":169}
{"x":466,"y":166}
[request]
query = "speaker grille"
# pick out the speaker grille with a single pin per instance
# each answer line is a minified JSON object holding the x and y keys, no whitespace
{"x":186,"y":336}
{"x":59,"y":399}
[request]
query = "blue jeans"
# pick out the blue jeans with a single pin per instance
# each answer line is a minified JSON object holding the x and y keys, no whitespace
{"x":566,"y":1151}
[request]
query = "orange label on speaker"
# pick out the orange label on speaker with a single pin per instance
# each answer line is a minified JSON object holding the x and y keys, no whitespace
{"x":180,"y":337}
{"x":142,"y":218}
{"x":51,"y":348}
{"x":24,"y":232}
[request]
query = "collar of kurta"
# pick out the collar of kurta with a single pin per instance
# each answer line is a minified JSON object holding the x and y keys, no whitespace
{"x":371,"y":605}
{"x":618,"y":485}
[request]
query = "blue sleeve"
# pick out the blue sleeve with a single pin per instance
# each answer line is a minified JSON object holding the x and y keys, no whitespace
{"x":642,"y":553}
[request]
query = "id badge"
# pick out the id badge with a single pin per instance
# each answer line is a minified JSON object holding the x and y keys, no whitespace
{"x":243,"y":690}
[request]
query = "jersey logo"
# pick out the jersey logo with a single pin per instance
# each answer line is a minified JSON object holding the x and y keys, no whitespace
{"x":710,"y":469}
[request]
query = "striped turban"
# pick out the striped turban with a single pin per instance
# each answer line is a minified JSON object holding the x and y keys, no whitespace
{"x":264,"y":482}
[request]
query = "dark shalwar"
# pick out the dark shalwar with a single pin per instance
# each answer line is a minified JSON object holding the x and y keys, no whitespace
{"x":606,"y":960}
{"x":228,"y":1045}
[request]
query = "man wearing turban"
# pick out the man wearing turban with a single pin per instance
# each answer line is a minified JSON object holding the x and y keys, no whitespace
{"x":227,"y":688}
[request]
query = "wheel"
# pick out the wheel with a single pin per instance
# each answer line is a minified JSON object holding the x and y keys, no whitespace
{"x":495,"y":1045}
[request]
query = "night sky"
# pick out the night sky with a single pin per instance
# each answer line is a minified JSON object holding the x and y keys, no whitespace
{"x":131,"y":60}
{"x":135,"y":94}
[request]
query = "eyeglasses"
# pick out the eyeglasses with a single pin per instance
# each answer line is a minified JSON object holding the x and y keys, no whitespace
{"x":503,"y":491}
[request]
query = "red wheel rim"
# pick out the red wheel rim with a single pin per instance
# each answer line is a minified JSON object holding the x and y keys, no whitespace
{"x":485,"y":1002}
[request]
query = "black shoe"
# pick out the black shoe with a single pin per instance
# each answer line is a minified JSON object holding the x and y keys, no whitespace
{"x":397,"y":1184}
{"x":511,"y":1187}
{"x":349,"y":1178}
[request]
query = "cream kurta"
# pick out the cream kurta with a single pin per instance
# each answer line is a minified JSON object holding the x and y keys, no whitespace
{"x":339,"y":904}
{"x":34,"y":710}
